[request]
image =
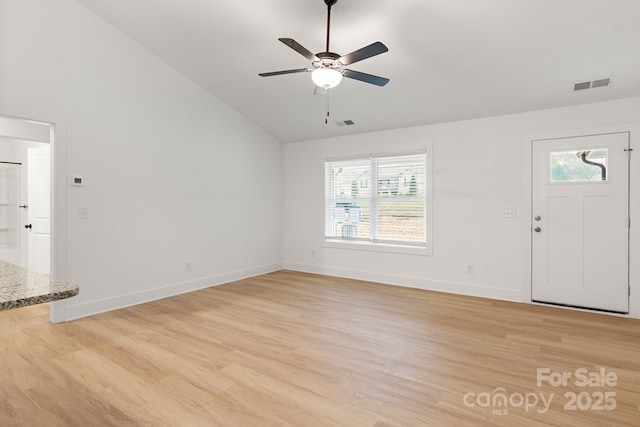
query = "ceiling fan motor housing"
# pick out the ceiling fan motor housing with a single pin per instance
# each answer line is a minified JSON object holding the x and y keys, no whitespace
{"x":328,"y":60}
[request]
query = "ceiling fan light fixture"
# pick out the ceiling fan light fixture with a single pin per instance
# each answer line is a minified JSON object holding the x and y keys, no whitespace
{"x":326,"y":77}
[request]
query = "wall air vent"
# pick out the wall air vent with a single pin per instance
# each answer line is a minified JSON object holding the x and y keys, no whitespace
{"x":345,"y":123}
{"x":592,"y":84}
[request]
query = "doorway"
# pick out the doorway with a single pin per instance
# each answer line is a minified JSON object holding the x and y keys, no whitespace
{"x":580,"y":221}
{"x":25,"y":193}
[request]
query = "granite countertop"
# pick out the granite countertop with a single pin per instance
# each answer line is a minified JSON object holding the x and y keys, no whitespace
{"x":20,"y":287}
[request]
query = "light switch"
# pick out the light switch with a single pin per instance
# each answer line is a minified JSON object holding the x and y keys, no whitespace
{"x":83,"y":213}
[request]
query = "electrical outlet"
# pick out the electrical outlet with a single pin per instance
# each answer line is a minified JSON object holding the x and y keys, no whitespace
{"x":187,"y":266}
{"x":470,"y":269}
{"x":508,"y":213}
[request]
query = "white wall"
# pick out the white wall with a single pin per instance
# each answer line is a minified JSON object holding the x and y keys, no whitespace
{"x":171,"y":173}
{"x":479,"y":167}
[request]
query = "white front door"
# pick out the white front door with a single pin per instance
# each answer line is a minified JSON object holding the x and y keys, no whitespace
{"x":39,"y":201}
{"x":580,"y":222}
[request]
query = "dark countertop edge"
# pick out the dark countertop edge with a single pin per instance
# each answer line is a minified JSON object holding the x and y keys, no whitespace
{"x":39,"y":299}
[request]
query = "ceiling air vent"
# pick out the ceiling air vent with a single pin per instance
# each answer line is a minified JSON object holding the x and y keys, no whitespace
{"x":582,"y":86}
{"x":345,"y":123}
{"x":592,"y":84}
{"x":600,"y":83}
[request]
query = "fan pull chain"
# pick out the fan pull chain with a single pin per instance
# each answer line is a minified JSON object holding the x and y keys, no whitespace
{"x":326,"y":118}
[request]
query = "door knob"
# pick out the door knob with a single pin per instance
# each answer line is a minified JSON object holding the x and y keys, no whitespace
{"x":537,"y":229}
{"x":28,"y":226}
{"x":537,"y":218}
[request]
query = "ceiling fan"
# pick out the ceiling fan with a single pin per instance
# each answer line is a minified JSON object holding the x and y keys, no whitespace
{"x":328,"y":68}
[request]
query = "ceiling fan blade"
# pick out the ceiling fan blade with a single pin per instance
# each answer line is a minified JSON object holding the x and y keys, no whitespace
{"x":366,"y":52}
{"x":300,"y":49}
{"x":367,"y":78}
{"x":319,"y":90}
{"x":278,"y":73}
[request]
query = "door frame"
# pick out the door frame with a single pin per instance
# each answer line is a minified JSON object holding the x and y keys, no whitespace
{"x":634,"y":207}
{"x":58,"y":250}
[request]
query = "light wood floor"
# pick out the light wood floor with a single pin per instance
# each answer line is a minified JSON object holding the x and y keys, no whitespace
{"x":295,"y":349}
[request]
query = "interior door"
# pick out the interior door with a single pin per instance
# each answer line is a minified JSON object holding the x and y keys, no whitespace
{"x":39,"y":201}
{"x":580,"y":222}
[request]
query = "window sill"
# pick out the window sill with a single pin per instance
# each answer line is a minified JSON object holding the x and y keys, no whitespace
{"x":377,"y":247}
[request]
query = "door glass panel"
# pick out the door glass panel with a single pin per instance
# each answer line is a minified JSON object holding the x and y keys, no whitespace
{"x":578,"y":165}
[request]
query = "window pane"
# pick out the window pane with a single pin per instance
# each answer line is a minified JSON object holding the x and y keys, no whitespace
{"x":351,"y":220}
{"x":402,"y":176}
{"x":401,"y":199}
{"x":401,"y":220}
{"x":348,"y":189}
{"x":578,"y":166}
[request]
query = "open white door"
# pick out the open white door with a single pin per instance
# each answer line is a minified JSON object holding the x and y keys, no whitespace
{"x":580,"y":227}
{"x":39,"y":201}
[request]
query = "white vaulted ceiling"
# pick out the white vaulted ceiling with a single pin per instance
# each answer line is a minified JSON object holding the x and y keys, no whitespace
{"x":448,"y":59}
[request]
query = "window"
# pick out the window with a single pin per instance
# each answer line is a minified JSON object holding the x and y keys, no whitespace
{"x":377,"y":199}
{"x":578,"y":166}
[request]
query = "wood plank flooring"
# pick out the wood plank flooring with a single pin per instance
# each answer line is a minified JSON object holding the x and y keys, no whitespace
{"x":294,"y":349}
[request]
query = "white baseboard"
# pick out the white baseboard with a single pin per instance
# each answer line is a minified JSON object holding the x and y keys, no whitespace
{"x":411,"y":282}
{"x":68,"y":311}
{"x":90,"y":308}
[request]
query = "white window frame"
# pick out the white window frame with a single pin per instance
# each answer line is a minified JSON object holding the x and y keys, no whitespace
{"x":400,"y":248}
